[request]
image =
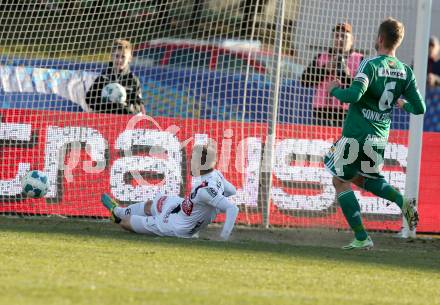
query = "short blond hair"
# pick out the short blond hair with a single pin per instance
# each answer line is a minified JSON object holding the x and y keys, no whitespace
{"x":122,"y":45}
{"x":392,"y":31}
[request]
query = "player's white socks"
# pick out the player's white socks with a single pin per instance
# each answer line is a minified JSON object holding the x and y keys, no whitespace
{"x":132,"y":209}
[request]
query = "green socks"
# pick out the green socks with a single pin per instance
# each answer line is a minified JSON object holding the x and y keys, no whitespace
{"x":381,"y":188}
{"x":352,"y":212}
{"x":350,"y":205}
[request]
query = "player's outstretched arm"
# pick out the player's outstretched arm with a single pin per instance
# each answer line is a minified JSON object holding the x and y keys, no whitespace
{"x":211,"y":196}
{"x":357,"y":88}
{"x":231,"y":211}
{"x":229,"y":189}
{"x":93,"y":95}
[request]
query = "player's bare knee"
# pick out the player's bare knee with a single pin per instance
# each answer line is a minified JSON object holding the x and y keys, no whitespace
{"x":147,"y":208}
{"x":336,"y":182}
{"x":358,"y":181}
{"x":340,"y":185}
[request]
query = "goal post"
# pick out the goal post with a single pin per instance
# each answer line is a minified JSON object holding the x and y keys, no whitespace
{"x":269,"y":153}
{"x":230,"y":71}
{"x":412,"y":184}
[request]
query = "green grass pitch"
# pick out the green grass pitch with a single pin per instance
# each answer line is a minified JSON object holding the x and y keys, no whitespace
{"x":57,"y":261}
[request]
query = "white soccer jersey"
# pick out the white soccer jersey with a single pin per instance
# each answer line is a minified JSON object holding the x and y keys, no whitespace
{"x":207,"y":198}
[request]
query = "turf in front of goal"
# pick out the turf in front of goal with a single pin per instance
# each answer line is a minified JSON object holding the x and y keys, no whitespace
{"x":55,"y":261}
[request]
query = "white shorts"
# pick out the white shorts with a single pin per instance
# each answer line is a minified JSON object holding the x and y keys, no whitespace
{"x":166,"y":207}
{"x":157,"y":224}
{"x":144,"y":225}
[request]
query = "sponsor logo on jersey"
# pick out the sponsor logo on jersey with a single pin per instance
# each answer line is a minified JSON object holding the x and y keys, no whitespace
{"x":100,"y":138}
{"x":187,"y":206}
{"x":375,"y":116}
{"x":393,"y":73}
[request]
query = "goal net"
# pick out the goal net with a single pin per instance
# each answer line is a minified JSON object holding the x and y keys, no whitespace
{"x":230,"y":71}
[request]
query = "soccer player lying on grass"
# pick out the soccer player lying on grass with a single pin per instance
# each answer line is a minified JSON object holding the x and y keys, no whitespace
{"x":182,"y":217}
{"x":357,"y":157}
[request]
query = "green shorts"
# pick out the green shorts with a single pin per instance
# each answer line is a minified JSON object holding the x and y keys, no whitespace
{"x":350,"y":157}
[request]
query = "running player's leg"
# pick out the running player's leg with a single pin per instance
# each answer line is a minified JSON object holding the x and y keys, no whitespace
{"x":350,"y":207}
{"x":372,"y":156}
{"x":372,"y":162}
{"x":381,"y":188}
{"x":344,"y":168}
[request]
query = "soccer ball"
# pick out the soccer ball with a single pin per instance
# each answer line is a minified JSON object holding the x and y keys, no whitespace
{"x":34,"y":184}
{"x":114,"y":93}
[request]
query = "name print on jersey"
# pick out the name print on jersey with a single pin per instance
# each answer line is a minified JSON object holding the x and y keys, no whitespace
{"x":393,"y":73}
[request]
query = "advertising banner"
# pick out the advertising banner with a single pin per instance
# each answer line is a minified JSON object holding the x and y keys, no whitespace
{"x":133,"y":158}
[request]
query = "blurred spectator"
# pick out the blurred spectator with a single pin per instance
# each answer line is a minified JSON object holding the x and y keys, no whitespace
{"x":250,"y":8}
{"x":339,"y":61}
{"x":196,"y":16}
{"x":118,"y":71}
{"x":433,"y":77}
